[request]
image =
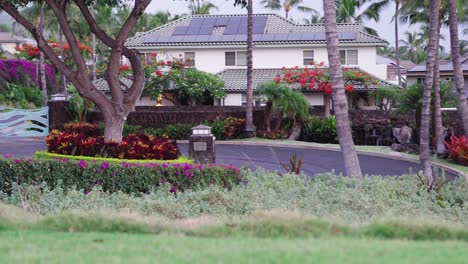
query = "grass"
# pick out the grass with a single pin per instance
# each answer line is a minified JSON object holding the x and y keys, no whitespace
{"x":32,"y":246}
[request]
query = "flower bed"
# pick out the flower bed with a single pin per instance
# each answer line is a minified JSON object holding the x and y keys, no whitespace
{"x":458,"y":149}
{"x":273,"y":134}
{"x":79,"y":143}
{"x":114,"y":177}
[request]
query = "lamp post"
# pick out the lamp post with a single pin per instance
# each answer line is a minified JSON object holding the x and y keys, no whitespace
{"x":202,"y":145}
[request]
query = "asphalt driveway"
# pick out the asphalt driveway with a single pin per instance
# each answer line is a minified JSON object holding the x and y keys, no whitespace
{"x":268,"y":157}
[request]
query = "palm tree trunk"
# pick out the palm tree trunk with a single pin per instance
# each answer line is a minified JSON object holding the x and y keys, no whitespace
{"x":249,"y":129}
{"x":397,"y":46}
{"x":94,"y":51}
{"x":42,"y":59}
{"x":424,"y":139}
{"x":438,"y":127}
{"x":268,"y":110}
{"x":340,"y":104}
{"x":457,"y":69}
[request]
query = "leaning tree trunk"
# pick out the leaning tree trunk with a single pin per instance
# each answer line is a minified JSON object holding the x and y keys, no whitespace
{"x":397,"y":46}
{"x":457,"y":67}
{"x":42,"y":59}
{"x":63,"y":78}
{"x":438,"y":142}
{"x":249,"y":128}
{"x":424,"y":138}
{"x":340,"y":104}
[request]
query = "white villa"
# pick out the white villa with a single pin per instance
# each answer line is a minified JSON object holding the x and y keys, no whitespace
{"x":217,"y":44}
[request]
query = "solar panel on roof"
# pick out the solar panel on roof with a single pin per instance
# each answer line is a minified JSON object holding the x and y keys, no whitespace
{"x":176,"y":38}
{"x":294,"y":36}
{"x":281,"y":36}
{"x":163,"y":39}
{"x":307,"y":36}
{"x":196,"y":21}
{"x":150,"y":39}
{"x":190,"y":38}
{"x":243,"y":20}
{"x":202,"y":38}
{"x":347,"y":35}
{"x":257,"y":37}
{"x":227,"y":38}
{"x":205,"y":30}
{"x":240,"y":37}
{"x":320,"y":36}
{"x":193,"y":30}
{"x":242,"y":29}
{"x":221,"y":21}
{"x":268,"y":37}
{"x":209,"y":21}
{"x":215,"y":38}
{"x":232,"y":26}
{"x":180,"y":31}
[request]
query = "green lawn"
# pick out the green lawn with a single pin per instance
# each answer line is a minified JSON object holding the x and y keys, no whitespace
{"x":29,"y":246}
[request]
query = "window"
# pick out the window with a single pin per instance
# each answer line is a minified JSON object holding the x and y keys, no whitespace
{"x":391,"y":73}
{"x":308,"y":56}
{"x":420,"y":80}
{"x":349,"y":57}
{"x":236,"y":58}
{"x":189,"y":59}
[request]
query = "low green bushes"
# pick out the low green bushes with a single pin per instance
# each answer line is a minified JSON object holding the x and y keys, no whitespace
{"x":273,"y":134}
{"x":124,"y":177}
{"x":326,"y":196}
{"x":229,"y":128}
{"x":322,"y":130}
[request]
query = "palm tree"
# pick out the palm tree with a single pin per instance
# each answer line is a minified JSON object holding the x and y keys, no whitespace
{"x":42,"y":58}
{"x":358,"y":11}
{"x":198,"y":8}
{"x":340,"y":103}
{"x":457,"y":69}
{"x":286,"y":5}
{"x":315,"y":18}
{"x":249,"y":128}
{"x":386,"y":51}
{"x":410,"y":46}
{"x":424,"y":139}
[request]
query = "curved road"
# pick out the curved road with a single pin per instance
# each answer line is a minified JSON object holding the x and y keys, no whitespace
{"x":268,"y":157}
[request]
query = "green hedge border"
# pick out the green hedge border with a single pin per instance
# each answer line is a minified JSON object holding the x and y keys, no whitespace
{"x":43,"y":154}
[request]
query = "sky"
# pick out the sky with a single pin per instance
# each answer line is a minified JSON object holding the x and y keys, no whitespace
{"x":385,"y":26}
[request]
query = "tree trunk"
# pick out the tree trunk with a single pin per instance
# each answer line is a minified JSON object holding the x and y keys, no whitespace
{"x":397,"y":46}
{"x":327,"y":105}
{"x":424,"y":138}
{"x":45,"y":97}
{"x":268,"y":110}
{"x":457,"y":68}
{"x":113,"y":127}
{"x":249,"y":128}
{"x":438,"y":142}
{"x":340,"y":104}
{"x":94,"y":51}
{"x":63,"y":78}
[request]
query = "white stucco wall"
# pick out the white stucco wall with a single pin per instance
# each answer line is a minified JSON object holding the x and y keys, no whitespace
{"x":233,"y":99}
{"x":10,"y":47}
{"x":314,"y":98}
{"x":213,"y":59}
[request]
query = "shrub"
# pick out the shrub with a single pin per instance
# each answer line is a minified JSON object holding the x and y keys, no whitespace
{"x":273,"y":134}
{"x":234,"y":127}
{"x":84,"y":129}
{"x":132,"y":146}
{"x":458,"y":149}
{"x":322,"y":130}
{"x":20,"y":96}
{"x":124,"y":177}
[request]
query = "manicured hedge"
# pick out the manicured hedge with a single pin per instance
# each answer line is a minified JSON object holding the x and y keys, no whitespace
{"x":44,"y":155}
{"x":125,"y":177}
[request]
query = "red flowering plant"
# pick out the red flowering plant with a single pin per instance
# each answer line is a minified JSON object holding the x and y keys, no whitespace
{"x":458,"y":149}
{"x":317,"y":77}
{"x":29,"y":52}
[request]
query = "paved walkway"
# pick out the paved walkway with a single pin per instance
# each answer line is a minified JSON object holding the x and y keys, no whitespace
{"x":268,"y":157}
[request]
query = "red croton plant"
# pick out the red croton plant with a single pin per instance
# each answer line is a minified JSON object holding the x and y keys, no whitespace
{"x":458,"y":149}
{"x":316,"y":77}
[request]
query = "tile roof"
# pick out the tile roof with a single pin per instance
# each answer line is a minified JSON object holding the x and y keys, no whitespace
{"x":283,"y":32}
{"x":443,"y":67}
{"x":101,"y":84}
{"x":236,"y":79}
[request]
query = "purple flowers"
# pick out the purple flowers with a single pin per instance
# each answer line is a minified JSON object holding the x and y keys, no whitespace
{"x":105,"y":165}
{"x":17,"y":161}
{"x":82,"y":164}
{"x":6,"y":156}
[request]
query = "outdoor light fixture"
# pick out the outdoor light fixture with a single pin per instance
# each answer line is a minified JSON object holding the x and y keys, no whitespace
{"x":201,"y":130}
{"x":58,"y":97}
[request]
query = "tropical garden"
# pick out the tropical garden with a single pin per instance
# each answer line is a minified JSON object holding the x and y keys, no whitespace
{"x":114,"y":192}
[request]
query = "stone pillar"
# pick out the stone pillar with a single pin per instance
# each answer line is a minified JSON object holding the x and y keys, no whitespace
{"x":202,"y":145}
